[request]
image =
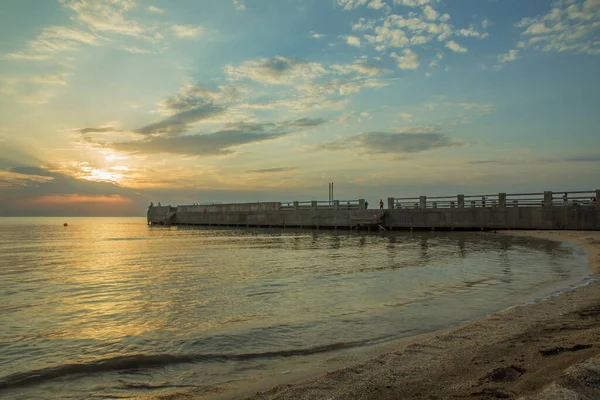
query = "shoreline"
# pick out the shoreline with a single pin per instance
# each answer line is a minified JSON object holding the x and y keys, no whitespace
{"x":546,"y":350}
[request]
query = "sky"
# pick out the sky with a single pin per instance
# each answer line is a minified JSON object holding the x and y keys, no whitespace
{"x":106,"y":105}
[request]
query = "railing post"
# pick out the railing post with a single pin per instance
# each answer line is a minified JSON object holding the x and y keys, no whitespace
{"x":336,"y":204}
{"x":472,"y":203}
{"x":423,"y":202}
{"x":295,"y":206}
{"x":515,"y":203}
{"x":390,"y":203}
{"x":547,"y":199}
{"x":461,"y":201}
{"x":313,"y":205}
{"x":502,"y":200}
{"x":361,"y":204}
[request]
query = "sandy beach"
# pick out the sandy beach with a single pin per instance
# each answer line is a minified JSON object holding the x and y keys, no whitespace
{"x":546,"y":350}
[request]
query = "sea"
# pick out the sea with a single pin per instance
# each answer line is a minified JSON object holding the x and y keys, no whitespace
{"x":111,"y":308}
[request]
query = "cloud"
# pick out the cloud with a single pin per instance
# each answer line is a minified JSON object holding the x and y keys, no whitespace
{"x":569,"y":26}
{"x":315,"y":35}
{"x":471,"y":32}
{"x":358,"y":67}
{"x":412,"y":3}
{"x":411,"y":140}
{"x":240,"y":5}
{"x":103,"y":129}
{"x":278,"y":70}
{"x":408,"y":59}
{"x":57,"y":78}
{"x":54,"y":40}
{"x":302,"y":123}
{"x":377,"y":4}
{"x":32,"y":170}
{"x":187,"y":31}
{"x":512,"y":55}
{"x":105,"y":16}
{"x":430,"y":13}
{"x":455,"y":47}
{"x":271,"y":170}
{"x":155,"y":10}
{"x":220,"y":142}
{"x":351,"y":4}
{"x":584,"y":158}
{"x":179,"y":122}
{"x":136,"y":50}
{"x":485,"y":162}
{"x":352,"y":40}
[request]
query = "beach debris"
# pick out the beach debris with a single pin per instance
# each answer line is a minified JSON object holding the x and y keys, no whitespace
{"x":558,"y":350}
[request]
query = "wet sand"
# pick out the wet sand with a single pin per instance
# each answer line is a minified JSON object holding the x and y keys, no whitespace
{"x":548,"y":350}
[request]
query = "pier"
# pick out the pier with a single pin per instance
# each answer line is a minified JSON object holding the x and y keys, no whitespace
{"x":548,"y":210}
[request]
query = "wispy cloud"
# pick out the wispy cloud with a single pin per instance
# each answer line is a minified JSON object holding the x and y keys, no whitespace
{"x":277,"y":70}
{"x":54,"y":40}
{"x":106,"y":16}
{"x":220,"y":142}
{"x":187,"y":31}
{"x":155,"y":10}
{"x":57,"y":78}
{"x":409,"y":140}
{"x":271,"y":170}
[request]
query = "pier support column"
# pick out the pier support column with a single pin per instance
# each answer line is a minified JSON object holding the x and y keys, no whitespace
{"x":547,"y":199}
{"x":336,"y":205}
{"x":361,"y":204}
{"x":423,"y":202}
{"x":502,"y":200}
{"x":461,"y":200}
{"x":313,"y":205}
{"x":390,"y":203}
{"x":295,"y":206}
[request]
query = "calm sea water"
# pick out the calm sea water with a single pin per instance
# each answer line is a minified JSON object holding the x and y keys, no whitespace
{"x":112,"y":308}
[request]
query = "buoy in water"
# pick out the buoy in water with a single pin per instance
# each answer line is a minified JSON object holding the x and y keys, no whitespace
{"x":65,"y":224}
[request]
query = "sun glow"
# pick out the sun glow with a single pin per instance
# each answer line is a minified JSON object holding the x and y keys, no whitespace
{"x":100,"y":175}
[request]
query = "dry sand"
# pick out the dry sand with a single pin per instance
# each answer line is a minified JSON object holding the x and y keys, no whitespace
{"x":548,"y":350}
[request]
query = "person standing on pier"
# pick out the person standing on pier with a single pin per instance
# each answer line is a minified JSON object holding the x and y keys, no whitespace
{"x":483,"y":198}
{"x":366,"y":205}
{"x":565,"y":199}
{"x":381,"y":204}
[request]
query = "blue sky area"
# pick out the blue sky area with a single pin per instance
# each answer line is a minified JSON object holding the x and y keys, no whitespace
{"x":106,"y":105}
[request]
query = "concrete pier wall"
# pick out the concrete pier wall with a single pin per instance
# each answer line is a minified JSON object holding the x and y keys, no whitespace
{"x":570,"y":211}
{"x":568,"y":218}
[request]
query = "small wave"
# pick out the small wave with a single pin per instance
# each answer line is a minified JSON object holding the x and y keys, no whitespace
{"x":138,"y":361}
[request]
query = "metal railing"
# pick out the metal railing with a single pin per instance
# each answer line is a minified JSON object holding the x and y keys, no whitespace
{"x":555,"y":199}
{"x":320,"y":205}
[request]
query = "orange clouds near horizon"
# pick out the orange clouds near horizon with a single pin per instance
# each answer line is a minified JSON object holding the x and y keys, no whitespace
{"x":78,"y":199}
